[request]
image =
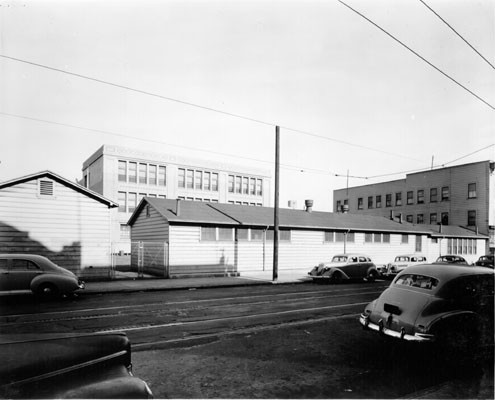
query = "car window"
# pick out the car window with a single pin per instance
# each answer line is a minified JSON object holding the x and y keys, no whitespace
{"x":339,"y":259}
{"x":414,"y":259}
{"x":23,"y":264}
{"x":421,"y":281}
{"x":362,"y":259}
{"x":353,"y":259}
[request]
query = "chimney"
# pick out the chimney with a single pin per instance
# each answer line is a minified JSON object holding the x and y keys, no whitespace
{"x":440,"y":227}
{"x":345,"y":208}
{"x":177,"y":209}
{"x":309,"y":205}
{"x":392,"y":215}
{"x":400,"y":218}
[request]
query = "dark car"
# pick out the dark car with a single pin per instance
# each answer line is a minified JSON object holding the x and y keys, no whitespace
{"x":451,"y":259}
{"x":60,"y":367}
{"x":31,"y":272}
{"x":485,"y":261}
{"x":345,"y":267}
{"x":431,"y":303}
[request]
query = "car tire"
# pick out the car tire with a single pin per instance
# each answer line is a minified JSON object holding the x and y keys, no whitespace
{"x":371,"y":276}
{"x":47,"y":290}
{"x":336,"y":278}
{"x":459,"y":341}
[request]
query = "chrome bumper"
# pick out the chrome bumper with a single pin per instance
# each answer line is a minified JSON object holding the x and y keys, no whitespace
{"x":380,"y":328}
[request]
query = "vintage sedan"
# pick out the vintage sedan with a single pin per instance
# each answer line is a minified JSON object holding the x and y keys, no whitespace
{"x":403,"y":261}
{"x":31,"y":272}
{"x":451,"y":259}
{"x":70,"y":366}
{"x":431,"y":303}
{"x":485,"y":261}
{"x":345,"y":267}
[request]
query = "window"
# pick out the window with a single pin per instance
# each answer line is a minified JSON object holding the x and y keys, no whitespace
{"x":472,"y":191}
{"x":214,"y":182}
{"x":338,"y":206}
{"x":339,"y":236}
{"x":410,"y":197}
{"x":420,"y":219}
{"x":368,"y":237}
{"x":284,"y":235}
{"x":388,"y":200}
{"x":198,"y":180}
{"x":252,"y":186}
{"x":404,"y":239}
{"x":328,"y":236}
{"x":23,"y":264}
{"x":259,"y":187}
{"x":386,"y":238}
{"x":445,"y":218}
{"x":132,"y":197}
{"x":398,"y":199}
{"x":256,"y":234}
{"x":152,"y":172}
{"x":409,"y":218}
{"x":445,"y":193}
{"x":421,"y":196}
{"x":245,"y":185}
{"x":208,"y":233}
{"x":378,"y":202}
{"x":433,"y":218}
{"x":207,"y":181}
{"x":238,"y":181}
{"x":122,"y":201}
{"x":377,"y":237}
{"x":230,"y":184}
{"x":189,"y":178}
{"x":225,"y":234}
{"x":125,"y":231}
{"x":162,"y":179}
{"x":148,"y":211}
{"x":370,"y":201}
{"x":242,"y":234}
{"x":122,"y":171}
{"x":143,"y":173}
{"x":433,"y":195}
{"x":360,"y":203}
{"x":471,"y":218}
{"x":132,"y":172}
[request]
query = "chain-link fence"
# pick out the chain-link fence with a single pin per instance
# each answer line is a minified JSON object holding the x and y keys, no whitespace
{"x":149,"y":258}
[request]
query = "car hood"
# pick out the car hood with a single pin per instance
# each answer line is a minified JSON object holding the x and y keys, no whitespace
{"x":404,"y":304}
{"x":334,"y":264}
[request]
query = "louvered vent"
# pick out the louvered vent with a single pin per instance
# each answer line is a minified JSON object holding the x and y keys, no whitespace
{"x":46,"y":188}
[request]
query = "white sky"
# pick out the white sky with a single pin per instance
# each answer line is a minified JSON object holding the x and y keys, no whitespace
{"x":311,"y":66}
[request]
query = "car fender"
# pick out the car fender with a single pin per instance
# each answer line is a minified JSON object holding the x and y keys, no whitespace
{"x":372,"y":268}
{"x":448,"y":318}
{"x":63,"y":283}
{"x":331,"y":271}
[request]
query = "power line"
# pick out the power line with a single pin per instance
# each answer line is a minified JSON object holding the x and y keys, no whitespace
{"x":457,"y":33}
{"x":417,"y":54}
{"x":203,"y":107}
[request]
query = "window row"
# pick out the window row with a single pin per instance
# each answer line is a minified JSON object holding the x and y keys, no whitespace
{"x":433,"y":219}
{"x":245,"y":185}
{"x":129,"y":200}
{"x":412,"y":197}
{"x":462,"y":246}
{"x":142,"y":173}
{"x":198,"y":180}
{"x":210,"y":234}
{"x":198,"y":199}
{"x":244,"y":203}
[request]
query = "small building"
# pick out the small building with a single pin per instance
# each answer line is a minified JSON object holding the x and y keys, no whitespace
{"x":172,"y":238}
{"x":46,"y":214}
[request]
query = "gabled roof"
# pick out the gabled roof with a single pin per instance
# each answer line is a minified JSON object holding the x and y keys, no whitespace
{"x":251,"y":216}
{"x":62,"y":181}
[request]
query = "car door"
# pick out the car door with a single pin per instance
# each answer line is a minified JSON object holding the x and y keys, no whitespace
{"x":351,"y":268}
{"x":364,"y":264}
{"x":21,"y":273}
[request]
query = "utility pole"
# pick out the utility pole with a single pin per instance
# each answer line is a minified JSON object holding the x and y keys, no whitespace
{"x":277,"y":184}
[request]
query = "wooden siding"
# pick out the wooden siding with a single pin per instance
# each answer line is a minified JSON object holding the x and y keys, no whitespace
{"x":153,"y":228}
{"x":69,"y":227}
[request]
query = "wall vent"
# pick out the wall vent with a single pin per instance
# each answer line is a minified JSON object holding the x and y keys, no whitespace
{"x":45,"y":187}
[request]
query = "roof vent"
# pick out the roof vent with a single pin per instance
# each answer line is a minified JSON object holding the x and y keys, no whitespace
{"x":309,"y":205}
{"x":345,"y":208}
{"x":45,"y":187}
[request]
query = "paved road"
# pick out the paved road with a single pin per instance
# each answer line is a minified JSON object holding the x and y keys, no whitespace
{"x":308,"y":333}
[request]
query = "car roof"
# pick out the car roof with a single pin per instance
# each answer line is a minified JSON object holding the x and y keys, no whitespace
{"x":36,"y":257}
{"x":409,"y":255}
{"x":351,"y":255}
{"x":446,"y":272}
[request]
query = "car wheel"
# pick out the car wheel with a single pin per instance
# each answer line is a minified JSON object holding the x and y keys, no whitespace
{"x":336,"y":278}
{"x":461,"y":340}
{"x":371,"y":276}
{"x":47,"y":289}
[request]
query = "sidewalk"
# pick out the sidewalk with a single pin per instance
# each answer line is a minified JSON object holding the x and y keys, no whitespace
{"x":156,"y":284}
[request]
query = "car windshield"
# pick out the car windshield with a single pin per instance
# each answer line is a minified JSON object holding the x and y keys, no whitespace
{"x":339,"y":259}
{"x":420,"y":281}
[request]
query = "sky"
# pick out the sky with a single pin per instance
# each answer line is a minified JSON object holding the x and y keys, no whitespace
{"x":211,"y":80}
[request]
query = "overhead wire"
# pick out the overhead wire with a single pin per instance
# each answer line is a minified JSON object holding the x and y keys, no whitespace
{"x":417,"y":54}
{"x":457,"y":33}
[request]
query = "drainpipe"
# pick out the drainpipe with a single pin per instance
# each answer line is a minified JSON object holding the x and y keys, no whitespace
{"x":264,"y":246}
{"x":345,"y":239}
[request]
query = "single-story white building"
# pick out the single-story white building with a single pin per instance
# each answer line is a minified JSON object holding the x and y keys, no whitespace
{"x":172,"y":238}
{"x":46,"y":214}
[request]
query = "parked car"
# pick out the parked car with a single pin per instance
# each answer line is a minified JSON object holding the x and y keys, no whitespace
{"x":404,"y":261}
{"x":36,"y":273}
{"x":343,"y":267}
{"x":485,"y":261}
{"x":431,"y":303}
{"x":451,"y":259}
{"x":72,"y":366}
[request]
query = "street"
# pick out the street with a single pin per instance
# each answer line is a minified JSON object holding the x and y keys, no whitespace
{"x":271,"y":341}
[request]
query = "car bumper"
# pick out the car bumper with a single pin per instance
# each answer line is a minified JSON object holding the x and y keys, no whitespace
{"x":380,"y":328}
{"x":81,"y":284}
